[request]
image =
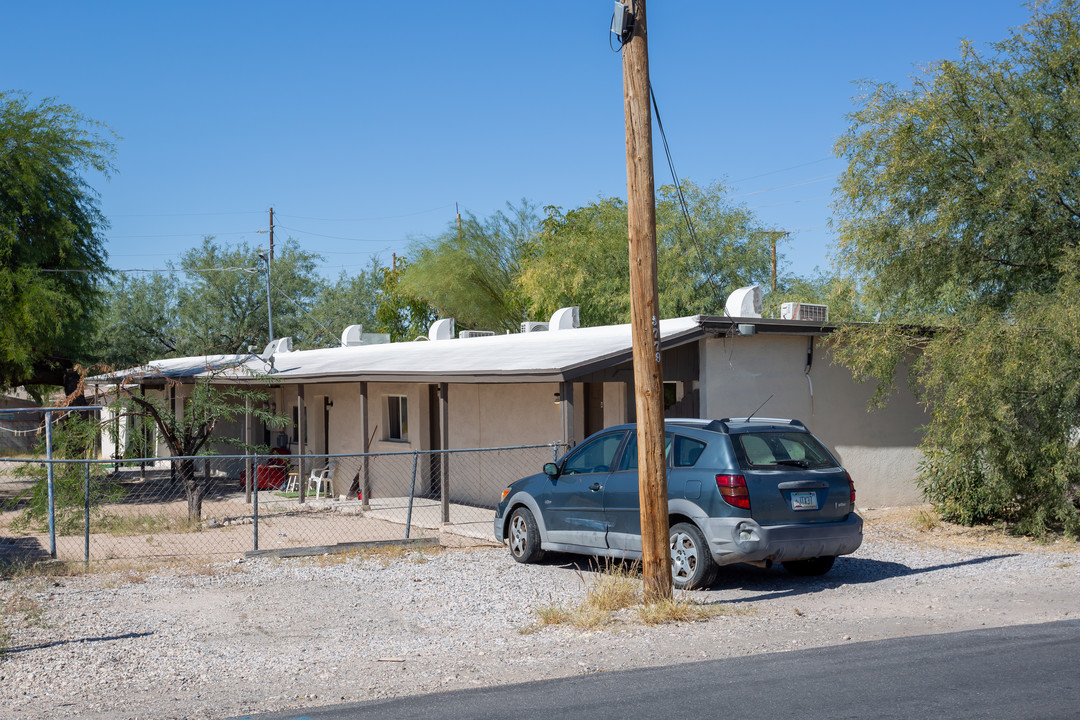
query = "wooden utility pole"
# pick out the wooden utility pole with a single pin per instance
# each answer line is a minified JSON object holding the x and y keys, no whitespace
{"x":645,"y":313}
{"x":775,"y":235}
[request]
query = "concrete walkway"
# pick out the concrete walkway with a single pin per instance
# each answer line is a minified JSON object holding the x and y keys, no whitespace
{"x":465,"y":520}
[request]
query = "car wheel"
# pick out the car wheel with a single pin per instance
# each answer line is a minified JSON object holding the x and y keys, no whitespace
{"x":811,"y":567}
{"x":692,"y":565}
{"x":524,"y":537}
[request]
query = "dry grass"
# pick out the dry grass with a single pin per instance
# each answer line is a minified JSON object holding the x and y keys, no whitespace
{"x":124,"y":525}
{"x":926,"y":520}
{"x":681,"y":609}
{"x":384,"y":555}
{"x":24,"y":568}
{"x":615,"y":589}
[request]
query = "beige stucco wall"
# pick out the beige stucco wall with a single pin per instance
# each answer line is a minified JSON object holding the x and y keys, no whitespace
{"x":878,"y":448}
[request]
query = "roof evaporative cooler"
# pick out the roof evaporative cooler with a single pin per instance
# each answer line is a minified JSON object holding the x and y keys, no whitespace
{"x":804,"y":311}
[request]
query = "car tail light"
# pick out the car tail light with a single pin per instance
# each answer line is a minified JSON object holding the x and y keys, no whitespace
{"x":851,"y":484}
{"x":733,"y":490}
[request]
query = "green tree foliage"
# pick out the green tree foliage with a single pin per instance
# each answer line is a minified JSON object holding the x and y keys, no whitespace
{"x":213,"y":302}
{"x":52,"y":254}
{"x":403,"y":315}
{"x":206,"y":405}
{"x":960,"y":210}
{"x":580,"y":257}
{"x":74,"y":437}
{"x":470,"y":273}
{"x":223,"y":299}
{"x":350,"y":300}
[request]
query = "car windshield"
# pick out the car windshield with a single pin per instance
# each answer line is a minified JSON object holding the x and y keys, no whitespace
{"x":783,"y":449}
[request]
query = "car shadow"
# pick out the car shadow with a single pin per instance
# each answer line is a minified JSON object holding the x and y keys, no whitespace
{"x":775,"y":582}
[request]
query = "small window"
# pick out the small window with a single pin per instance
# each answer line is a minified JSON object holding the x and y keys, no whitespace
{"x":397,"y":417}
{"x":687,"y":451}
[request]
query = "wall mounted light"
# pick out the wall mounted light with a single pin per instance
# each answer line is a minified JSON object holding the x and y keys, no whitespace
{"x":558,"y":398}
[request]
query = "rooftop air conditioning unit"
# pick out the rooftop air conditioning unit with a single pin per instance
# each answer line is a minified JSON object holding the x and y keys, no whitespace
{"x":804,"y":311}
{"x":465,"y":334}
{"x":528,"y":327}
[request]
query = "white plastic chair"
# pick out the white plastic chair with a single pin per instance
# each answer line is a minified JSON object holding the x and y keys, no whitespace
{"x":321,"y":481}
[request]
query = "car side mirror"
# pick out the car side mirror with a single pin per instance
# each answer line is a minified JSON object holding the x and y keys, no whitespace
{"x":551,"y":470}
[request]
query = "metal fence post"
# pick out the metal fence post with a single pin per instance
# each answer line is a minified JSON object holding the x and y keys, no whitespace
{"x":52,"y":490}
{"x":86,"y":533}
{"x":255,"y":506}
{"x":412,"y":494}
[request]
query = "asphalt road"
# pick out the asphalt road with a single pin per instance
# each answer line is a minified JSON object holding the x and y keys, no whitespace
{"x":1027,"y":671}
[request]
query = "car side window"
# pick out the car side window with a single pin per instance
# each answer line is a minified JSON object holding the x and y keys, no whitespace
{"x":594,"y":456}
{"x":687,"y":451}
{"x":629,"y":460}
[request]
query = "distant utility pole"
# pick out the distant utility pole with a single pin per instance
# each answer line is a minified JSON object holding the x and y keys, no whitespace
{"x":774,"y":235}
{"x":645,"y":312}
{"x":271,"y":234}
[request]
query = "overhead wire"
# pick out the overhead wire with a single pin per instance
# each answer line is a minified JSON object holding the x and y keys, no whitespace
{"x":709,"y":275}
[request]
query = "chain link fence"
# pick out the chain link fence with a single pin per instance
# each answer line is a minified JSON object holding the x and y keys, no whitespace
{"x":214,"y":506}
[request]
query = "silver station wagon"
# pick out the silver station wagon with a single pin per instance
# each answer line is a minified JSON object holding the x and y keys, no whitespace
{"x":740,"y":490}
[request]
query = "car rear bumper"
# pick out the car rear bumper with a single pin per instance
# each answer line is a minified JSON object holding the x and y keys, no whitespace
{"x":735,"y":540}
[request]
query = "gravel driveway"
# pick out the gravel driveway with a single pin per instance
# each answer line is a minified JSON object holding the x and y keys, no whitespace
{"x":214,"y":641}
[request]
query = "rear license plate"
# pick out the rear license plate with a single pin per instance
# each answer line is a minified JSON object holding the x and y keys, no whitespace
{"x":804,"y":501}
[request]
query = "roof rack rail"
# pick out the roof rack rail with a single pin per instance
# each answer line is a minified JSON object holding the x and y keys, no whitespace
{"x":766,"y":420}
{"x":703,"y":423}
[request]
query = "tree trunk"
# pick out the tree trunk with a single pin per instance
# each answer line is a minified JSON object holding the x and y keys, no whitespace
{"x":194,"y":489}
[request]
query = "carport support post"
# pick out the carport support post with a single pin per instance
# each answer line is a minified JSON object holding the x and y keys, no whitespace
{"x":365,"y":463}
{"x":645,"y":313}
{"x":301,"y":435}
{"x":247,"y":451}
{"x":444,"y":456}
{"x":566,"y":407}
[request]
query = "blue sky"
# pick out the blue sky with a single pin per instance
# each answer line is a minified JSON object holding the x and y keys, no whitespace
{"x":363,"y":123}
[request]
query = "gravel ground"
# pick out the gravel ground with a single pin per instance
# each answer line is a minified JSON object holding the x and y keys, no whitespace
{"x":214,"y":641}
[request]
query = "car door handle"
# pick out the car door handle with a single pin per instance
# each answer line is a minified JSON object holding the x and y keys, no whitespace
{"x":596,"y":486}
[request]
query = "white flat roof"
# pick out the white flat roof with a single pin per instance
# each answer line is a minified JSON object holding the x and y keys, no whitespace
{"x":523,"y":357}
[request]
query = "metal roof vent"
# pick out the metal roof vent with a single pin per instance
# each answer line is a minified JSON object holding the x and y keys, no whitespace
{"x":744,"y":302}
{"x":352,"y":336}
{"x":566,"y":318}
{"x":466,"y":334}
{"x":441,"y":329}
{"x":530,"y":326}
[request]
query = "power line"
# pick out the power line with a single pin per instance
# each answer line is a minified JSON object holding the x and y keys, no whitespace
{"x":331,"y":237}
{"x":367,"y":219}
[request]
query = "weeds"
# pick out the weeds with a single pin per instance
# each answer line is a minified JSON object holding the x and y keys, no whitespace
{"x":615,"y":589}
{"x":925,"y":520}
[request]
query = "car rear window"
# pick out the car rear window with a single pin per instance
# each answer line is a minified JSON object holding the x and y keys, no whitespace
{"x":782,"y":449}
